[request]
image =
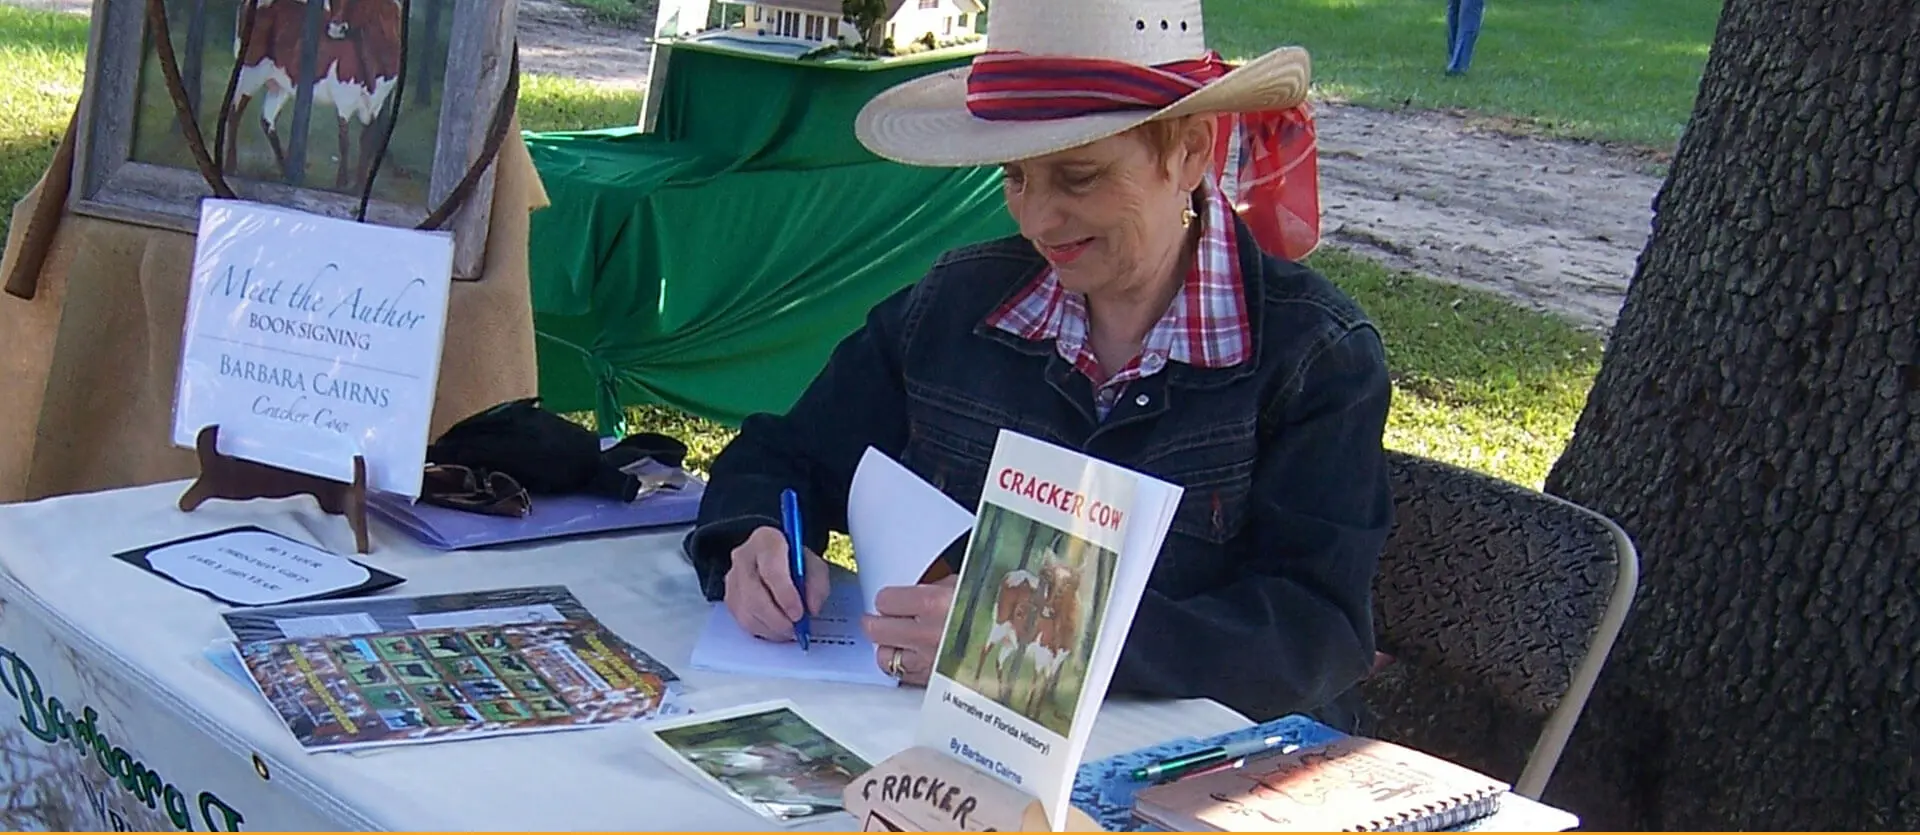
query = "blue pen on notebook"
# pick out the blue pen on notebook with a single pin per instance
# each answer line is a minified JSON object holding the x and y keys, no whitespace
{"x":797,"y":561}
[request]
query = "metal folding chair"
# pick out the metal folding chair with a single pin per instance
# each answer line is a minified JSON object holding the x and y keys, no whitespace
{"x":1498,"y":606}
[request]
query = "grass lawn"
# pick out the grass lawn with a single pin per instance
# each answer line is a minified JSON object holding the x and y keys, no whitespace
{"x":42,"y":62}
{"x":1479,"y":382}
{"x":1615,"y":70}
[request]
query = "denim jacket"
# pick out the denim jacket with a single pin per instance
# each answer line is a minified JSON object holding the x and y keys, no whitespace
{"x":1261,"y":597}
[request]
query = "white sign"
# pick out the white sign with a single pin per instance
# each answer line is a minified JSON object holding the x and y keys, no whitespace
{"x":681,"y":18}
{"x":254,"y":568}
{"x":311,"y":339}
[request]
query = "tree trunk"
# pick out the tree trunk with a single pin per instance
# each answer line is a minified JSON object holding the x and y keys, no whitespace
{"x":1753,"y":428}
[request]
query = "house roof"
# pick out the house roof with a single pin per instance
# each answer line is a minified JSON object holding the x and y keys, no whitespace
{"x":968,"y":6}
{"x":833,"y":7}
{"x":825,"y":7}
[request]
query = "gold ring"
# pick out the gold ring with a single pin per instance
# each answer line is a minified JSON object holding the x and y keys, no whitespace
{"x":895,"y":667}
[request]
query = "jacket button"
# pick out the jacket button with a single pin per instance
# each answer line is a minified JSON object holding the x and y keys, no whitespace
{"x":1142,"y":400}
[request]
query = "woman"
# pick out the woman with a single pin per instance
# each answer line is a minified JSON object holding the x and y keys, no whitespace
{"x":1132,"y":318}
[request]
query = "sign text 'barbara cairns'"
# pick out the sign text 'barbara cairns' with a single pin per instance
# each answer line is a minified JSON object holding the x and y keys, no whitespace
{"x":312,"y":339}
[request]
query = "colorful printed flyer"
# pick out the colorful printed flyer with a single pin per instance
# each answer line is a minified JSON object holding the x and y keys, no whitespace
{"x":428,"y":685}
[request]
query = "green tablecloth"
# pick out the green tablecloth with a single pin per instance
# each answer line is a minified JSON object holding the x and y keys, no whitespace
{"x":713,"y":265}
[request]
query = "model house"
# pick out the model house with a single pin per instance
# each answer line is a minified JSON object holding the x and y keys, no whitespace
{"x":822,"y":21}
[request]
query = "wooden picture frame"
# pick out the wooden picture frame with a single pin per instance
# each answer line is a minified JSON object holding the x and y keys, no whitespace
{"x":133,"y":161}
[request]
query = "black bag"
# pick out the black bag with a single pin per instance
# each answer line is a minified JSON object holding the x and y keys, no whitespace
{"x":544,"y":452}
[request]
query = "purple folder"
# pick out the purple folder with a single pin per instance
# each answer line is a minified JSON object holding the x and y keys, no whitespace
{"x":446,"y":529}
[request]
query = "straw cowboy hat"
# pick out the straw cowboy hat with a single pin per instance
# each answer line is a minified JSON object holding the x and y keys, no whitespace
{"x":1059,"y":74}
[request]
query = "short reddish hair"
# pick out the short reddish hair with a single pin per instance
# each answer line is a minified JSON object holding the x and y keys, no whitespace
{"x":1161,"y":136}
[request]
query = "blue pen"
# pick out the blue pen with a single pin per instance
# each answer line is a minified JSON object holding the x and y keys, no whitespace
{"x":797,"y":560}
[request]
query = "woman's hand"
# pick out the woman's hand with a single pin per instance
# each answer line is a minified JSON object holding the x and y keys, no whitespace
{"x":910,"y":622}
{"x":760,"y":592}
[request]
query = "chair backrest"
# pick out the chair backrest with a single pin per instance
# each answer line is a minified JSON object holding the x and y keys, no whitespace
{"x":1499,"y":605}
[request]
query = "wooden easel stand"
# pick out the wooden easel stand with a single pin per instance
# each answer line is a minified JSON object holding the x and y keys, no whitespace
{"x":226,"y":477}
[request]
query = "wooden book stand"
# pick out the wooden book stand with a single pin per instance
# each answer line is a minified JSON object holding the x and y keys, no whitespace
{"x":227,"y":477}
{"x":923,"y":790}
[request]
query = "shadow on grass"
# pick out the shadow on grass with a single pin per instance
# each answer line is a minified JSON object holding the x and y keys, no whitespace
{"x":1478,"y":381}
{"x":23,"y":158}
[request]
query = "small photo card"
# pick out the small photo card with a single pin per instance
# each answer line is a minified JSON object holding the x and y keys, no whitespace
{"x":251,"y":566}
{"x":766,"y":757}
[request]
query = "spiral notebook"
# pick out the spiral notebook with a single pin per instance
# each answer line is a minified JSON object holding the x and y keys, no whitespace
{"x":1351,"y":784}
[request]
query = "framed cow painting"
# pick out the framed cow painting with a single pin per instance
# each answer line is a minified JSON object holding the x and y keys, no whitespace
{"x":372,"y":109}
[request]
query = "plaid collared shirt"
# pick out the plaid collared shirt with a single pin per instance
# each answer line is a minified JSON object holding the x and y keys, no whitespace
{"x":1205,"y":326}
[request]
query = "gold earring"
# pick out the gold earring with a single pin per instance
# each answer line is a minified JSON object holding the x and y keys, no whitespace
{"x":1186,"y":217}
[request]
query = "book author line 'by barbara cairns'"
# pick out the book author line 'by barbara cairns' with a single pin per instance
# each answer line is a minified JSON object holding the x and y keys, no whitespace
{"x":1060,"y":551}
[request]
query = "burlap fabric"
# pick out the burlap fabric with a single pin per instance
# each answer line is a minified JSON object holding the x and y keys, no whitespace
{"x":87,"y":385}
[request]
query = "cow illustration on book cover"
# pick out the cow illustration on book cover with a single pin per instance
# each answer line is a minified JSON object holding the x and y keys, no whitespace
{"x":1029,"y":619}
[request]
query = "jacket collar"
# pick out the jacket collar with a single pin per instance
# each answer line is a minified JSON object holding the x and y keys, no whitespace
{"x":1253,"y":278}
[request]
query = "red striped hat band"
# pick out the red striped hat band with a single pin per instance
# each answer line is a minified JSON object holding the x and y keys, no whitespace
{"x":1005,"y":86}
{"x":1274,"y":177}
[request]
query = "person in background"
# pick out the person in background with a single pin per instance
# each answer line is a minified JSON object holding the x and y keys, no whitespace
{"x":1463,"y":29}
{"x":1133,"y":318}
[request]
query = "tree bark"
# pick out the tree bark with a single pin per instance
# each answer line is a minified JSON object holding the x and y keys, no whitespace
{"x":1753,"y":428}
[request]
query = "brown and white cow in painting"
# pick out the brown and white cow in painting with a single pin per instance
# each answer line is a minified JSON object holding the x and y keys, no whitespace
{"x":356,"y":69}
{"x":1036,"y":618}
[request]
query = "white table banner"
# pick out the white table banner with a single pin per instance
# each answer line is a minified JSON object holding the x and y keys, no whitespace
{"x":84,"y":748}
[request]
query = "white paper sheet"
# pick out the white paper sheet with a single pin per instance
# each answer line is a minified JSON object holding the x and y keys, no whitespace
{"x":253,"y":568}
{"x":838,"y":650}
{"x":898,"y":523}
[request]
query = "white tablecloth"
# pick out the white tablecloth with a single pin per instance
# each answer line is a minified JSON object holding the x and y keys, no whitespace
{"x":92,"y":632}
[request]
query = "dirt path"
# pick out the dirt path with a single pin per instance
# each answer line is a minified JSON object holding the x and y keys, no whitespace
{"x":558,"y":39}
{"x":1553,"y":225}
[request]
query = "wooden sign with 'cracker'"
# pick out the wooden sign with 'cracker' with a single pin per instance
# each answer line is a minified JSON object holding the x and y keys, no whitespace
{"x":923,"y":790}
